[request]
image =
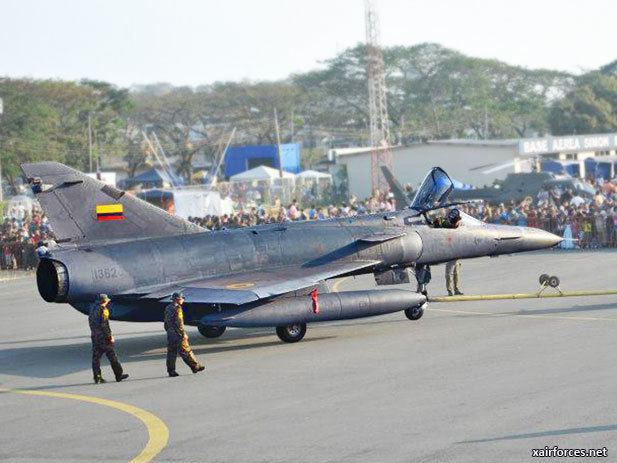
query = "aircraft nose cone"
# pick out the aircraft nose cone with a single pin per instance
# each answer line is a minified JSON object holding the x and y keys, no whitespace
{"x":541,"y":239}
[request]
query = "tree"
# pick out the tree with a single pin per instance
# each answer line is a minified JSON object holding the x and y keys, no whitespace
{"x":27,"y":129}
{"x":591,"y":107}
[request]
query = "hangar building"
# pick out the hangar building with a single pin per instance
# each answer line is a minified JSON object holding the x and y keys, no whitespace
{"x":481,"y":162}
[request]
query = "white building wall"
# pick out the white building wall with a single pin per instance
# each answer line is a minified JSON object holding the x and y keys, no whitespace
{"x":464,"y":163}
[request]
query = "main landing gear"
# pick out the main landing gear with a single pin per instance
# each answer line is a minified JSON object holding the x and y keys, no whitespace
{"x":208,"y":331}
{"x":291,"y":333}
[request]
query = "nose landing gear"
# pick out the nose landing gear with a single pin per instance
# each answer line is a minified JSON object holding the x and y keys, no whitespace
{"x":415,"y":313}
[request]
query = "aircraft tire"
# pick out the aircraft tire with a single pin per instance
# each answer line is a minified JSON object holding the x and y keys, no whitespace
{"x":291,"y":333}
{"x":544,"y":279}
{"x":414,"y":313}
{"x":208,"y":331}
{"x":553,"y":282}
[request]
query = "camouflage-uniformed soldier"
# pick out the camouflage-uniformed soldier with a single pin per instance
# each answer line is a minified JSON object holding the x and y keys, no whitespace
{"x":453,"y":267}
{"x":102,"y":340}
{"x":177,"y":339}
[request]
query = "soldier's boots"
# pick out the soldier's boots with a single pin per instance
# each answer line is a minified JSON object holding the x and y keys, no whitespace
{"x":450,"y":292}
{"x":118,"y":372}
{"x":173,"y":374}
{"x":198,"y":368}
{"x":99,"y":380}
{"x":458,"y":292}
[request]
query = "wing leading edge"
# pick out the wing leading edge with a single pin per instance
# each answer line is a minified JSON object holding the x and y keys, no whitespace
{"x":242,"y":288}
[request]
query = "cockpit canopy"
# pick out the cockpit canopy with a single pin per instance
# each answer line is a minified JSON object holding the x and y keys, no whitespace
{"x":433,"y":192}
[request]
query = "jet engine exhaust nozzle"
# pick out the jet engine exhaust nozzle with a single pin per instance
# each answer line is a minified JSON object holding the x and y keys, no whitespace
{"x":52,"y":280}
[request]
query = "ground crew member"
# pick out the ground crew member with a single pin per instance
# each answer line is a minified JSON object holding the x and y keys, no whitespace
{"x":177,"y":339}
{"x":102,"y":340}
{"x":452,"y":220}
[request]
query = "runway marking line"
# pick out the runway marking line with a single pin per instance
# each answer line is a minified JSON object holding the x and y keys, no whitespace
{"x":492,"y":314}
{"x":338,"y":283}
{"x":158,"y":434}
{"x":7,"y":279}
{"x":335,"y":289}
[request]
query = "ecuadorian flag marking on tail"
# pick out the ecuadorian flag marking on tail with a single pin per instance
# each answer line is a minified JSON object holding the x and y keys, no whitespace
{"x":106,"y":212}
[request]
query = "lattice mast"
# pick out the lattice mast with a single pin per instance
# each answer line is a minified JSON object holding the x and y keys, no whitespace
{"x":378,"y":108}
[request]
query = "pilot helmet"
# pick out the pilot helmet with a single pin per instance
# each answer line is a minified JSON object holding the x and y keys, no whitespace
{"x":104,"y":298}
{"x":454,"y":215}
{"x":177,"y":295}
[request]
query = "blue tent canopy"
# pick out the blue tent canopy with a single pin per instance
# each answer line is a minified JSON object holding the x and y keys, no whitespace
{"x":573,"y":169}
{"x":156,"y":195}
{"x":153,"y":178}
{"x":555,"y":167}
{"x":239,"y":159}
{"x":603,"y":169}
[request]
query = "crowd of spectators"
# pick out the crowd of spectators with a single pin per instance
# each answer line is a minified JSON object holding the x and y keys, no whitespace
{"x":259,"y":215}
{"x":21,"y":231}
{"x":592,"y":222}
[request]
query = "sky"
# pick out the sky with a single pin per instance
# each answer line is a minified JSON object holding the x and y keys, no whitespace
{"x":194,"y":42}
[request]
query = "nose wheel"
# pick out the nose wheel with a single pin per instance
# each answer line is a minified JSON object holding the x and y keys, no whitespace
{"x":415,"y":313}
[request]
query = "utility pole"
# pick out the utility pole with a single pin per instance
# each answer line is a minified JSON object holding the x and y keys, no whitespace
{"x":278,"y":143}
{"x":378,"y":108}
{"x":485,"y":122}
{"x":90,"y":141}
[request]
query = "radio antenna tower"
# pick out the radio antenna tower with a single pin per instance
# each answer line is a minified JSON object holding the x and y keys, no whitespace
{"x":378,"y":108}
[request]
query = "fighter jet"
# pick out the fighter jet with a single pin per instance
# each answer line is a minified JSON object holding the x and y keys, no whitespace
{"x":515,"y":187}
{"x":266,"y":276}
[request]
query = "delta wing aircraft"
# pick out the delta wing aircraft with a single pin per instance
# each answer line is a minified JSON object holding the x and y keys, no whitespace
{"x":265,"y":276}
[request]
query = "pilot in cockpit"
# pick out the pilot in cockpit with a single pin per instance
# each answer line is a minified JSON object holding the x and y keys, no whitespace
{"x":451,"y":220}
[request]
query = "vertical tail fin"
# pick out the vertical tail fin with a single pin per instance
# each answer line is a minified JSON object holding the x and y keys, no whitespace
{"x":82,"y":209}
{"x":400,"y":195}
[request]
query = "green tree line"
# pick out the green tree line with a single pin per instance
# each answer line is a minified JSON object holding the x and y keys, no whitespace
{"x":433,"y":92}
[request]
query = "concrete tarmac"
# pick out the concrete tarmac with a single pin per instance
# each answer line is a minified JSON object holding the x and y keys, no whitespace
{"x":469,"y":382}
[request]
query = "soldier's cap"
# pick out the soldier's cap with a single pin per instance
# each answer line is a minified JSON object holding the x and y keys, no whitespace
{"x":177,"y":295}
{"x":104,"y":298}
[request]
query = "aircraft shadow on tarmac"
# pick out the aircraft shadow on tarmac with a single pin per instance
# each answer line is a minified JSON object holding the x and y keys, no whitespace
{"x":56,"y":361}
{"x":553,"y":432}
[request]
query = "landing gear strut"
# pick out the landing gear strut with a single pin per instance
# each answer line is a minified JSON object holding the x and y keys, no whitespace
{"x":208,"y":331}
{"x":423,"y":277}
{"x":291,"y":333}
